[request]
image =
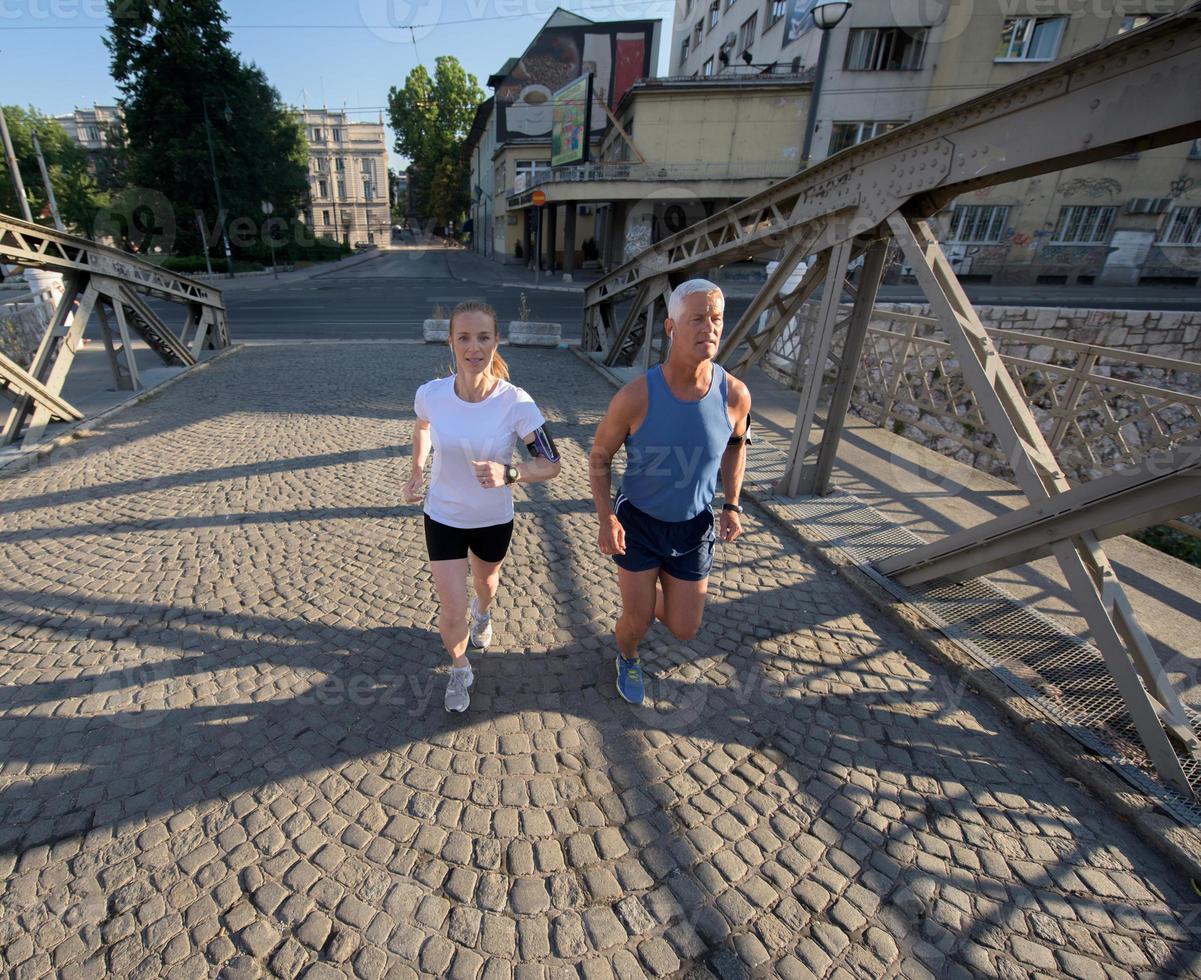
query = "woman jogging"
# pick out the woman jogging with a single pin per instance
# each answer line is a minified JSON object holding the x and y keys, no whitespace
{"x":472,"y":420}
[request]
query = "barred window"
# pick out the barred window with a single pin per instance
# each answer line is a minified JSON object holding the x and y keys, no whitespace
{"x":885,"y":49}
{"x":1182,"y":226}
{"x":1030,"y":38}
{"x":978,"y":224}
{"x":1082,"y":224}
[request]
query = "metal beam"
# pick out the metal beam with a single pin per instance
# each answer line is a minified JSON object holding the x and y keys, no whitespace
{"x":64,"y":357}
{"x":817,"y":350}
{"x":1156,"y":710}
{"x":817,"y":480}
{"x":1163,"y":486}
{"x":19,"y":383}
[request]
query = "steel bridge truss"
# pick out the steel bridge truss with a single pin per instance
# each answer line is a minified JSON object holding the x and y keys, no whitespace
{"x":1131,"y":93}
{"x":112,"y":285}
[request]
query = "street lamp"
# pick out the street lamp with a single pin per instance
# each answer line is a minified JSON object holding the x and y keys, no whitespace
{"x":827,"y":14}
{"x":227,"y":115}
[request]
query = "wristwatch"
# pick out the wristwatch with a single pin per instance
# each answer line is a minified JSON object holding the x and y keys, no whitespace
{"x":512,"y":474}
{"x":734,"y":507}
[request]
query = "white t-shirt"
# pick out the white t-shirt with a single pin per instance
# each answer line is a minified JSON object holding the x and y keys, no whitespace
{"x":466,"y":431}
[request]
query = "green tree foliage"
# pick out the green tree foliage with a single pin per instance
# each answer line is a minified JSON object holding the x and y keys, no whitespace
{"x":74,"y":185}
{"x":431,"y":118}
{"x":172,"y":61}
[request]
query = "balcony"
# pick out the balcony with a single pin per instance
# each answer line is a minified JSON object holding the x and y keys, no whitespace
{"x":600,"y":181}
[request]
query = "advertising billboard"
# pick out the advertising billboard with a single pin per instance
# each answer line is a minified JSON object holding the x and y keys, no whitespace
{"x":570,"y":129}
{"x":798,"y":20}
{"x":615,"y":54}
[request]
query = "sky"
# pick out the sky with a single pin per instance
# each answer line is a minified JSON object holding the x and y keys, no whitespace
{"x":332,"y":52}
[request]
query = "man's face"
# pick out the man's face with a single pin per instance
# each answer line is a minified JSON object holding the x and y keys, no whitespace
{"x":698,"y":329}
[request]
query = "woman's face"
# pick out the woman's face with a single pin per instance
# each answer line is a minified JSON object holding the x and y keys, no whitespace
{"x":473,"y":339}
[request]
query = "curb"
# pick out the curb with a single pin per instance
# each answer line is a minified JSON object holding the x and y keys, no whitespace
{"x":35,"y":454}
{"x":1179,"y":844}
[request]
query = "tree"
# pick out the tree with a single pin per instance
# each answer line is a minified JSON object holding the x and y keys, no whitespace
{"x":431,"y":118}
{"x":75,"y":188}
{"x":174,"y":66}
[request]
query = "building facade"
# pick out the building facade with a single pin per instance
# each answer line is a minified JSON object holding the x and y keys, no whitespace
{"x":348,"y":173}
{"x":1123,"y":221}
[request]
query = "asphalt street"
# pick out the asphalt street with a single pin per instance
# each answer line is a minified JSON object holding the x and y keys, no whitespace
{"x":388,"y":297}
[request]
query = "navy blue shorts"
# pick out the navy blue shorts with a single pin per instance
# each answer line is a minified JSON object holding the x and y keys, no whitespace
{"x":683,"y":549}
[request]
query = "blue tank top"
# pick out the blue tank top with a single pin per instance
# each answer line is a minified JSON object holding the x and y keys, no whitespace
{"x":673,"y":459}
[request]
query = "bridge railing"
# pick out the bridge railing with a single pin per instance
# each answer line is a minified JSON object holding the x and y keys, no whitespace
{"x":1100,"y":408}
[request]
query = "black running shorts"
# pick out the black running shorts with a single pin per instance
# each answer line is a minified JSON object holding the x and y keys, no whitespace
{"x":446,"y":543}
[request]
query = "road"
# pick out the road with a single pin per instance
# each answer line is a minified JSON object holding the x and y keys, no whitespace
{"x":387,"y":298}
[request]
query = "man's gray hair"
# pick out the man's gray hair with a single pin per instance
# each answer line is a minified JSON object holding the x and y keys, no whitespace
{"x":675,"y":302}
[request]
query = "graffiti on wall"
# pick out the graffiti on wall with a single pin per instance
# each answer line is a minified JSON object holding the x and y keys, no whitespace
{"x":1091,"y":187}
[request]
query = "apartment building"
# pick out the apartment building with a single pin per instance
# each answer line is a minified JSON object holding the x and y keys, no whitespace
{"x":97,"y":130}
{"x":1122,"y":221}
{"x":348,"y":173}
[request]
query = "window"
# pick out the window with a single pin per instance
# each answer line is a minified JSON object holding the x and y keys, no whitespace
{"x":746,"y":33}
{"x":322,"y":188}
{"x":698,"y":32}
{"x":368,"y":189}
{"x":687,"y":7}
{"x":775,"y":10}
{"x":885,"y":49}
{"x":707,"y":69}
{"x":1194,"y":151}
{"x":714,"y":13}
{"x":337,"y":135}
{"x":322,"y":165}
{"x":1030,"y":38}
{"x":844,"y":134}
{"x":1135,"y":21}
{"x":367,"y":166}
{"x":325,"y":217}
{"x":1181,"y":227}
{"x":341,"y":188}
{"x":318,"y":137}
{"x":1082,"y":224}
{"x":340,"y":165}
{"x":978,"y":224}
{"x":531,"y":170}
{"x":730,"y":3}
{"x":684,"y":49}
{"x":93,"y":134}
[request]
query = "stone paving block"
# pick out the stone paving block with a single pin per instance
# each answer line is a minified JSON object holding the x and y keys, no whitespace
{"x":226,"y":755}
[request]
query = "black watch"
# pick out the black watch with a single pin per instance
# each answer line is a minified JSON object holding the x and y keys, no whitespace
{"x":512,"y":474}
{"x":734,"y":507}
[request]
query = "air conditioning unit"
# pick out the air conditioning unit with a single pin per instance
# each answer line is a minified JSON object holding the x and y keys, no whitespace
{"x":1148,"y":205}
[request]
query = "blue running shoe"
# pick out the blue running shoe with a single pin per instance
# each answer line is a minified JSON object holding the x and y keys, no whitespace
{"x":629,"y":680}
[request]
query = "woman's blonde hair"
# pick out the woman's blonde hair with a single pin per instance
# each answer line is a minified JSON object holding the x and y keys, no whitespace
{"x":496,"y":366}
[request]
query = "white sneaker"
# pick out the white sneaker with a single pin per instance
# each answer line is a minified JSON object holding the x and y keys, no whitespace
{"x":457,"y":698}
{"x":481,"y":628}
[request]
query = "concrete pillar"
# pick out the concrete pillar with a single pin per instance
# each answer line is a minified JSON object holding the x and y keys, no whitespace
{"x":569,"y":240}
{"x":552,"y":227}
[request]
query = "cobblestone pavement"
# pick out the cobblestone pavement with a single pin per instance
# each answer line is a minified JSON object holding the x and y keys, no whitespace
{"x":224,"y":750}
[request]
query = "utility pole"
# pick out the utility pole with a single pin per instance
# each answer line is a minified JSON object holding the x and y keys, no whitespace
{"x":11,"y":158}
{"x":208,"y":131}
{"x":58,"y":221}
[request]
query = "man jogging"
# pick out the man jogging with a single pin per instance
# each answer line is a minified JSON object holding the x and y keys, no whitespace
{"x":681,"y":423}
